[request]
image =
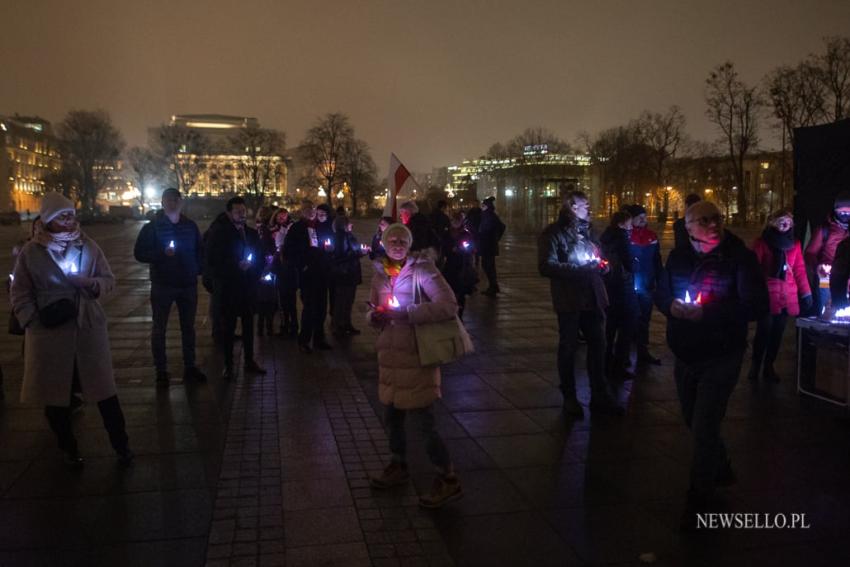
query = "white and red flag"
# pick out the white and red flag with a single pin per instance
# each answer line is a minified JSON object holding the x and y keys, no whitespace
{"x":401,"y":186}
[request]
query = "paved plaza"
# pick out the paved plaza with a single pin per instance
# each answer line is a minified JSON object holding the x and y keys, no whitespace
{"x":272,"y":470}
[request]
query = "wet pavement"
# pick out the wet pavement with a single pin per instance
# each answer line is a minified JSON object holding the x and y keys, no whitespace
{"x":272,"y":470}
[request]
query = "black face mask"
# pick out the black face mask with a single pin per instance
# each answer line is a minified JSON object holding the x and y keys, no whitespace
{"x":842,"y":217}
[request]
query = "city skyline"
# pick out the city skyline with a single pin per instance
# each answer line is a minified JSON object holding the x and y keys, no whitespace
{"x":435,"y":84}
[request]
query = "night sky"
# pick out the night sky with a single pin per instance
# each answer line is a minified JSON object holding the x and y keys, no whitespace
{"x":435,"y":81}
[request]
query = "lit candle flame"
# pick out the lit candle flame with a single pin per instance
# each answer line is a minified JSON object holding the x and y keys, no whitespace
{"x":250,"y":257}
{"x":687,"y":296}
{"x":465,"y":244}
{"x":171,"y":244}
{"x":267,"y":278}
{"x":393,"y":302}
{"x":11,"y":277}
{"x":698,"y":300}
{"x":327,"y":242}
{"x":73,"y":268}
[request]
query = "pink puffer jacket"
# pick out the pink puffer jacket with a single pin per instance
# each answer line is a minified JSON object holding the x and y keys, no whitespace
{"x":402,"y":381}
{"x":783,"y":293}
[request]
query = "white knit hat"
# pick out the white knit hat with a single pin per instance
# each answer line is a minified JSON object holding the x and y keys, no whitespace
{"x":54,"y":204}
{"x":394,"y":228}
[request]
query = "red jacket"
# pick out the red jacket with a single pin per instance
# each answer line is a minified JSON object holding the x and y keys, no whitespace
{"x":783,"y":293}
{"x":822,"y":250}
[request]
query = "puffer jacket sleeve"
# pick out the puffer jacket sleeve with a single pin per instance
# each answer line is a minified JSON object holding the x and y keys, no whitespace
{"x":798,"y":269}
{"x":22,"y":290}
{"x":442,"y":305}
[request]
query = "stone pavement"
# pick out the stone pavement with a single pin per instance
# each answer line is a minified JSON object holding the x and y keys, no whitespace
{"x":272,"y":470}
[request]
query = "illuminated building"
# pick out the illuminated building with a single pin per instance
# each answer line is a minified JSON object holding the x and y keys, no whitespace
{"x":528,"y":188}
{"x":28,"y":157}
{"x":219,"y":168}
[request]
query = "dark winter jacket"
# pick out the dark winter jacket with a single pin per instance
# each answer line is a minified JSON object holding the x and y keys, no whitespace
{"x":377,"y":252}
{"x":680,"y":233}
{"x":620,"y":279}
{"x":304,"y":248}
{"x":840,"y":276}
{"x":733,"y":293}
{"x":345,"y":269}
{"x":490,"y":231}
{"x":646,"y":258}
{"x":441,"y":223}
{"x":824,"y":243}
{"x":285,"y":270}
{"x":459,"y":268}
{"x":225,"y":248}
{"x":562,"y":252}
{"x":424,"y":236}
{"x":180,"y":270}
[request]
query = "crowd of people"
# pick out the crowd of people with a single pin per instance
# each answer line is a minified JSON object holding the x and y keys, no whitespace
{"x":424,"y":267}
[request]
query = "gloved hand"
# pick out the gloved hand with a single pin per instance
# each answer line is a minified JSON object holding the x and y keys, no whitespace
{"x":806,"y":304}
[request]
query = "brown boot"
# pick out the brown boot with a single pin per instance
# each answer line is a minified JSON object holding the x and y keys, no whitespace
{"x":394,"y":475}
{"x":444,"y":490}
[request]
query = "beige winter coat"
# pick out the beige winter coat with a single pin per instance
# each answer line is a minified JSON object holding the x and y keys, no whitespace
{"x":403,"y":383}
{"x":49,"y":354}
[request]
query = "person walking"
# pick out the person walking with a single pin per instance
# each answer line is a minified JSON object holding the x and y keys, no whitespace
{"x":404,"y":385}
{"x":781,"y":260}
{"x":710,"y":290}
{"x":286,"y":275}
{"x":645,"y":251}
{"x":568,"y":255}
{"x":58,"y":279}
{"x":490,"y":231}
{"x":235,"y":262}
{"x":171,"y":244}
{"x":311,"y":258}
{"x":622,"y":313}
{"x":346,"y":275}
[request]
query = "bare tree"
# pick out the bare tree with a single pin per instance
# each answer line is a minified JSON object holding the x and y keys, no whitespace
{"x":797,"y":96}
{"x":324,"y":149}
{"x":260,"y":152}
{"x":147,"y":168}
{"x":90,"y":146}
{"x":360,"y":172}
{"x":622,"y":159}
{"x":734,"y":107}
{"x":663,"y":134}
{"x":834,"y":67}
{"x":182,"y":149}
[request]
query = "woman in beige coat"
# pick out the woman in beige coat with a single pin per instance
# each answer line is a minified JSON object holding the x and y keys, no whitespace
{"x":62,"y":267}
{"x":405,"y":386}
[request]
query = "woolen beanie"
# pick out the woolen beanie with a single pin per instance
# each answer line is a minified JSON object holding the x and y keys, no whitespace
{"x":393,"y":229}
{"x":635,"y":210}
{"x":54,"y":204}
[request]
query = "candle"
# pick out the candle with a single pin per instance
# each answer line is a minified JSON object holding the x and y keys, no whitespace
{"x":827,"y":268}
{"x":393,"y":303}
{"x":267,"y":278}
{"x":72,"y":268}
{"x":250,"y":257}
{"x":171,"y":244}
{"x":465,"y":244}
{"x":697,"y":301}
{"x":11,"y":277}
{"x":364,"y":248}
{"x":327,"y":242}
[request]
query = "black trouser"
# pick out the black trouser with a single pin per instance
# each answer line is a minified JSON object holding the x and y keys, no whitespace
{"x":314,"y":309}
{"x":265,"y":316}
{"x":186,"y":298}
{"x":343,"y":303}
{"x":592,"y":325}
{"x":768,"y":339}
{"x":59,"y":418}
{"x":288,"y":307}
{"x":488,"y":264}
{"x":620,"y":326}
{"x":644,"y":299}
{"x":228,"y":309}
{"x":434,"y":445}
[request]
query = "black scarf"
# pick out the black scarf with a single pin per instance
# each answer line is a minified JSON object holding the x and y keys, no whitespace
{"x":779,"y":243}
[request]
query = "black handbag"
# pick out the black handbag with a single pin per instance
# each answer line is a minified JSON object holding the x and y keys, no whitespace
{"x":15,"y":325}
{"x":57,"y":313}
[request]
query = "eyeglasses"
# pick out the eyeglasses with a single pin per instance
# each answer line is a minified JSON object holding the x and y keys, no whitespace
{"x":705,"y":221}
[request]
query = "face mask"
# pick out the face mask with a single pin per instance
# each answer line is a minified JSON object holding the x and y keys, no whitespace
{"x":842,"y":217}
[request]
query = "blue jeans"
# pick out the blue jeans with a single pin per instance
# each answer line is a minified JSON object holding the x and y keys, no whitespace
{"x":704,"y":389}
{"x":592,"y":325}
{"x":434,"y":446}
{"x":186,"y":298}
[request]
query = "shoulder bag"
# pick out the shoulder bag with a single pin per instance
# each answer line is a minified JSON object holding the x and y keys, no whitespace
{"x":440,"y":342}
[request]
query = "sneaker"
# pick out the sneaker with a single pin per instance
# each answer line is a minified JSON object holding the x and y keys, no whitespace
{"x":394,"y":475}
{"x":126,"y":458}
{"x":606,"y":406}
{"x":726,"y":476}
{"x":252,"y":366}
{"x":193,"y":373}
{"x":573,"y":408}
{"x":444,"y":490}
{"x":162,"y":377}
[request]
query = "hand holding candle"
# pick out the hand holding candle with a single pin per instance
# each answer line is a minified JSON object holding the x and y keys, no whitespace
{"x":328,"y":244}
{"x":170,"y":249}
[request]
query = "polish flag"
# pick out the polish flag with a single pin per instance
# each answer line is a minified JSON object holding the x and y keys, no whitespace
{"x":401,"y":186}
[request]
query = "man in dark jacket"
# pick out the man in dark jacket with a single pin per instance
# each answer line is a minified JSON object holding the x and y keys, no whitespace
{"x":569,"y":257}
{"x":490,"y":231}
{"x":440,"y":221}
{"x":171,"y":244}
{"x":234,"y":263}
{"x":646,"y":260}
{"x":312,"y":259}
{"x":425,"y":239}
{"x":680,"y":232}
{"x":710,"y":290}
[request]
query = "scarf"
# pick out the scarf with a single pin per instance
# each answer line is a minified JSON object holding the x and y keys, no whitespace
{"x":391,"y":267}
{"x":779,"y":243}
{"x":56,"y":241}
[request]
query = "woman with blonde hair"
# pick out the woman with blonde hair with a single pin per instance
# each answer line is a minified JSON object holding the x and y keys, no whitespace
{"x":781,"y":260}
{"x":408,"y":290}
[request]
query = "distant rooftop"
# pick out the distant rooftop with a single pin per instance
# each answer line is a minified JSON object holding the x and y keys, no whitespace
{"x":217,"y":121}
{"x":35,"y":123}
